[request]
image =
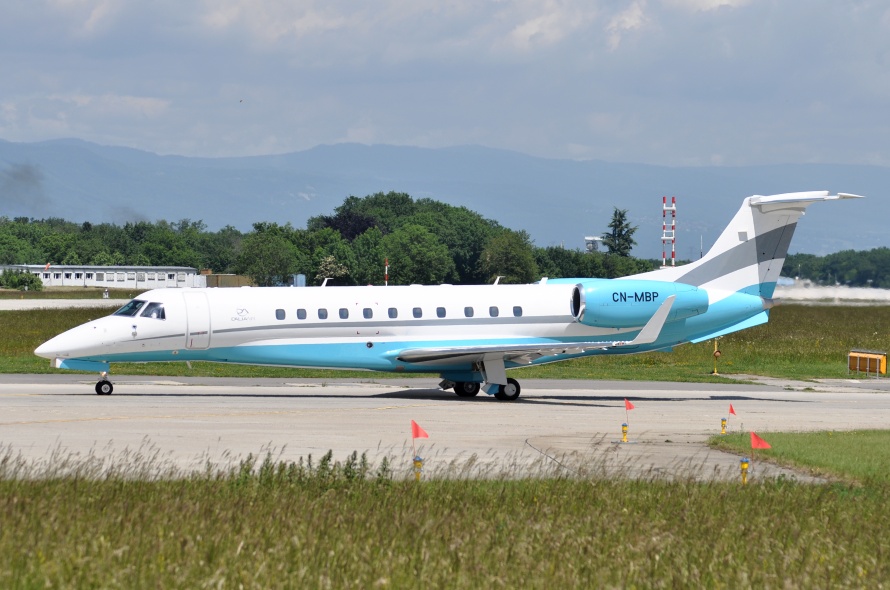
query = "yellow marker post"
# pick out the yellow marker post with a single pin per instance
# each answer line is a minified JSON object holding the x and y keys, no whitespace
{"x":418,"y":468}
{"x":743,"y":465}
{"x":717,"y":354}
{"x":624,"y":432}
{"x":722,"y":425}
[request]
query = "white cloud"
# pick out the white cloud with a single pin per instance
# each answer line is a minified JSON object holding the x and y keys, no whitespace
{"x":86,"y":17}
{"x":705,"y":5}
{"x":549,"y":23}
{"x":632,"y":18}
{"x":661,"y":81}
{"x":111,"y":105}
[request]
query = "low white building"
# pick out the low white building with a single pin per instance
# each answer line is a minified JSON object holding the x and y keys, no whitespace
{"x":112,"y":277}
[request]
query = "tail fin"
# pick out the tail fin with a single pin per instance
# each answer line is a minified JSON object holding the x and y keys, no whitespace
{"x":749,"y":254}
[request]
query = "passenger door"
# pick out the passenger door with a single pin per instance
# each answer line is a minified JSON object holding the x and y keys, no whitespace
{"x":197,"y":334}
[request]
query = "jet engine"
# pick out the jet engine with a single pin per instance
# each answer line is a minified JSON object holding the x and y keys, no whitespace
{"x":610,"y":303}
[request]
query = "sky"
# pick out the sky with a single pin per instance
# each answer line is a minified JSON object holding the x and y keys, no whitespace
{"x":669,"y":82}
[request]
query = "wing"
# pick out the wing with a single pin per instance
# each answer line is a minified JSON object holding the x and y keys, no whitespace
{"x":526,"y":353}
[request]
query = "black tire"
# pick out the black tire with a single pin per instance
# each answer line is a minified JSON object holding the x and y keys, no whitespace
{"x":466,"y":388}
{"x":508,"y":392}
{"x":104,"y":387}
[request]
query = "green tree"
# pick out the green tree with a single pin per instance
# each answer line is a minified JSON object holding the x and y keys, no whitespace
{"x":620,"y":239}
{"x":509,"y":255}
{"x":416,"y":257}
{"x":330,"y":268}
{"x":370,"y":260}
{"x":267,"y":259}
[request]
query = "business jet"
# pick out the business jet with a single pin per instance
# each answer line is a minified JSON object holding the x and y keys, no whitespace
{"x":470,"y":334}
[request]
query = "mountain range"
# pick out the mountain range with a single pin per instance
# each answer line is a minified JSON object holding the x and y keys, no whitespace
{"x":558,"y":202}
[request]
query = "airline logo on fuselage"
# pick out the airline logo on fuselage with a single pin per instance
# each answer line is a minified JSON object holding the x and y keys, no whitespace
{"x":635,"y":297}
{"x":242,"y":315}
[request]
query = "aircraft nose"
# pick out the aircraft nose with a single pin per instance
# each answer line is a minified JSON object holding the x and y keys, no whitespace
{"x":51,"y":348}
{"x":71,"y":343}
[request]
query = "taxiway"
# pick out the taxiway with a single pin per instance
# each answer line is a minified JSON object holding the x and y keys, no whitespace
{"x":188,"y":423}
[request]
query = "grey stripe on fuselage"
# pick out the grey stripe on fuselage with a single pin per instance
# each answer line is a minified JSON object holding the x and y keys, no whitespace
{"x":432,"y":323}
{"x":764,"y":247}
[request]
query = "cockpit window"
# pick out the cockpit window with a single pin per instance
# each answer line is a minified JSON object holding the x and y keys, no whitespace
{"x":154,"y":310}
{"x":130,"y":309}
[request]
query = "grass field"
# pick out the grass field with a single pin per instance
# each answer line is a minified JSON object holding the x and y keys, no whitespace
{"x":801,"y":342}
{"x":349,"y":525}
{"x":862,"y":456}
{"x":68,"y":293}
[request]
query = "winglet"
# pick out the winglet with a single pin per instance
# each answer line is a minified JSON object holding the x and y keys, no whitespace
{"x":652,"y":329}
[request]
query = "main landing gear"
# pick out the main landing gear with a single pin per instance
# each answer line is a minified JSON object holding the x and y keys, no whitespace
{"x":507,"y":393}
{"x":466,"y":388}
{"x":104,"y":386}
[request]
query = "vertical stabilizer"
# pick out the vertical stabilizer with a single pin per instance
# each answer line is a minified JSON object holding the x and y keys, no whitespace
{"x":749,"y":254}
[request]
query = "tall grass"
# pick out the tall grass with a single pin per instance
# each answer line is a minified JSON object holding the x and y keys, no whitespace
{"x":802,"y":342}
{"x":350,"y":525}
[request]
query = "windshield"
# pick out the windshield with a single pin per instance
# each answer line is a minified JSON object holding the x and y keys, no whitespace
{"x":130,"y":309}
{"x":154,"y":310}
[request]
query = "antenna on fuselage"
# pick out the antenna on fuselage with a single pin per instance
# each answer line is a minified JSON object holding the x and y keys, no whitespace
{"x":325,"y":281}
{"x":497,"y":280}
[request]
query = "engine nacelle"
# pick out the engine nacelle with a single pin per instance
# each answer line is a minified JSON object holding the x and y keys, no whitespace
{"x":611,"y":303}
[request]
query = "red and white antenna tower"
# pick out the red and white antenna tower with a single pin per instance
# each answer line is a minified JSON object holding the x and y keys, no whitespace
{"x":668,"y":234}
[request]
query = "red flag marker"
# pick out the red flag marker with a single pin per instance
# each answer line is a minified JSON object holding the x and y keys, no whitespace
{"x":731,"y":411}
{"x":628,"y":405}
{"x":417,"y":431}
{"x":758,"y":443}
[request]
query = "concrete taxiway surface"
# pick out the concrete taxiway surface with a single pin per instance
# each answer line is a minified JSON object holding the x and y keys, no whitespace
{"x":185,"y":423}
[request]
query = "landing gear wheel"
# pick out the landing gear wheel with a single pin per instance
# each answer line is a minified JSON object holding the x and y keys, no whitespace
{"x":104,"y":387}
{"x":508,"y":392}
{"x":466,"y":388}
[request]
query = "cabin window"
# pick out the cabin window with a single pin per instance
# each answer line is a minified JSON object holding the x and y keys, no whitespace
{"x":279,"y":314}
{"x":393,"y":312}
{"x":131,"y":308}
{"x":121,"y":277}
{"x":154,"y":310}
{"x":440,"y":312}
{"x":468,"y":312}
{"x":517,"y":311}
{"x":78,"y":275}
{"x":493,"y":311}
{"x":109,"y":277}
{"x":170,"y":276}
{"x":368,"y":313}
{"x":46,"y":275}
{"x":344,"y":313}
{"x":67,"y":275}
{"x":140,"y":276}
{"x":322,"y":314}
{"x":301,"y":314}
{"x":89,"y":276}
{"x":57,"y":275}
{"x":100,"y":276}
{"x":150,"y":276}
{"x":418,"y":313}
{"x":131,"y":276}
